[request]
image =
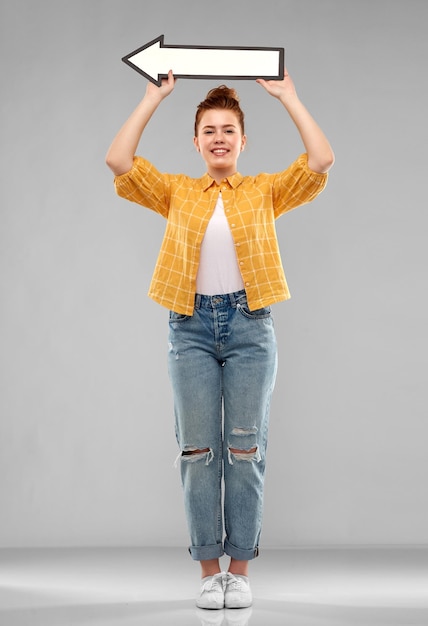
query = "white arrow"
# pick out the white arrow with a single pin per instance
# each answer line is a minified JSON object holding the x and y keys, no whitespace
{"x":155,"y":59}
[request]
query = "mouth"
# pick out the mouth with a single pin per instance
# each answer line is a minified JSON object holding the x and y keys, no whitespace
{"x":219,"y":151}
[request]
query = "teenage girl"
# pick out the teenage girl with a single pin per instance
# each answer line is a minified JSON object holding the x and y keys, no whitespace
{"x":218,"y":272}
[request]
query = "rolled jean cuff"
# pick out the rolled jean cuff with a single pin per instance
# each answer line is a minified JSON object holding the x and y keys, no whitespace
{"x":206,"y":553}
{"x":239,"y":554}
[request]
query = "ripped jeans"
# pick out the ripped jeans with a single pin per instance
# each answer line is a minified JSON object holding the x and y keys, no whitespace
{"x":222,"y":363}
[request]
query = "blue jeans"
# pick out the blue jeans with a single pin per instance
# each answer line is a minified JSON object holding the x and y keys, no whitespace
{"x":222,"y":363}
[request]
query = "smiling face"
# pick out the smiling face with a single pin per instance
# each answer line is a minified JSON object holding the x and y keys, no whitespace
{"x":220,"y":142}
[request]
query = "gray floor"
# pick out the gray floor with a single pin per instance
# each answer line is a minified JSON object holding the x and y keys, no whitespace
{"x":134,"y":587}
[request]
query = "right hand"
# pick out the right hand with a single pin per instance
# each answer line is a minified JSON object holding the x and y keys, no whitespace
{"x":164,"y":90}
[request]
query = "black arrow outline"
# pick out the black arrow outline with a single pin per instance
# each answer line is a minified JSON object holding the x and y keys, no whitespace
{"x":279,"y":76}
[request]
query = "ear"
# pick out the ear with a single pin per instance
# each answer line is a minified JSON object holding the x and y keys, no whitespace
{"x":244,"y":142}
{"x":196,"y":143}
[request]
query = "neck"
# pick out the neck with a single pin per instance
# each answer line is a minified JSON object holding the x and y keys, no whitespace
{"x":219,"y":176}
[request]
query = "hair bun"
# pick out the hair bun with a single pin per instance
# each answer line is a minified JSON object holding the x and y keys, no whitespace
{"x":223,"y":91}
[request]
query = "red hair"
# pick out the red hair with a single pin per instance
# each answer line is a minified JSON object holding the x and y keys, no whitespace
{"x":221,"y":97}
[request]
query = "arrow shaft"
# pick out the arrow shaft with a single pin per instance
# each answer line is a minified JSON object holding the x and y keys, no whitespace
{"x":218,"y":61}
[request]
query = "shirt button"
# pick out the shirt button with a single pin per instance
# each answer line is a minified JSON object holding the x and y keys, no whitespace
{"x":238,"y":244}
{"x":247,"y":284}
{"x":233,"y":225}
{"x":241,"y":262}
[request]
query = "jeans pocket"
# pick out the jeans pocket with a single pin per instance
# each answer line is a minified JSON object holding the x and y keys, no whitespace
{"x":258,"y":314}
{"x":178,"y":317}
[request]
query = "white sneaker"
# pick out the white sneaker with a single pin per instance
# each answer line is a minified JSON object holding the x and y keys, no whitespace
{"x":237,"y":594}
{"x":212,"y":592}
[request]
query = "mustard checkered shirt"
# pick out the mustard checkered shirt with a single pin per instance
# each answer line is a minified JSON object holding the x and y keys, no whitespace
{"x":251,"y":205}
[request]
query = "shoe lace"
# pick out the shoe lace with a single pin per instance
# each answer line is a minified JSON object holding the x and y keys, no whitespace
{"x":215,"y":583}
{"x":233,"y":583}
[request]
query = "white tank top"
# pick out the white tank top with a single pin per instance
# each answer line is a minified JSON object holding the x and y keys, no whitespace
{"x":218,"y":271}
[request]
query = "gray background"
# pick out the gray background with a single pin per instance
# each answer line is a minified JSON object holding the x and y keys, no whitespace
{"x":86,"y":430}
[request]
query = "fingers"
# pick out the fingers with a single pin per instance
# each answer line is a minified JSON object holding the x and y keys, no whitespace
{"x":169,"y":82}
{"x":270,"y":85}
{"x":171,"y":79}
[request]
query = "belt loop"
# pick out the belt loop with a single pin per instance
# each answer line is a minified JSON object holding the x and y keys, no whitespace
{"x":233,"y":299}
{"x":197,"y":301}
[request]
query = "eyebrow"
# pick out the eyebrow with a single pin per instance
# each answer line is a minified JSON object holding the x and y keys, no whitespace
{"x":223,"y":126}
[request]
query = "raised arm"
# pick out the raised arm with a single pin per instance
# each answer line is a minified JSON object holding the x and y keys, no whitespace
{"x":320,"y":154}
{"x":121,"y":153}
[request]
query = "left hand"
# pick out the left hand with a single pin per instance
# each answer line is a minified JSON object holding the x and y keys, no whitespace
{"x":279,"y":88}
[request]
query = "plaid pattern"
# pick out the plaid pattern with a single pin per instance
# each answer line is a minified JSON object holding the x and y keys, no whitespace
{"x":251,"y":204}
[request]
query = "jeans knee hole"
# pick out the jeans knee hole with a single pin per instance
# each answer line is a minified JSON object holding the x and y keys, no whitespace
{"x":250,"y":455}
{"x":192,"y":455}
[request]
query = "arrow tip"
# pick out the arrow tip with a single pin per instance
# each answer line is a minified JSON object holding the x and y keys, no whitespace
{"x":145,"y":59}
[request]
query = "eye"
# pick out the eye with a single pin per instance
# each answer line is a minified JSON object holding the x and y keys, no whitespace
{"x":208,"y":132}
{"x":230,"y":131}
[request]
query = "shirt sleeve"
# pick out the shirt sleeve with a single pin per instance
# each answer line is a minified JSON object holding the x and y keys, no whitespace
{"x":145,"y":185}
{"x":296,"y":185}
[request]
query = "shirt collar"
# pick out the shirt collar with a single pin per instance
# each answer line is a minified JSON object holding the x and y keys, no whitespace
{"x":234,"y":181}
